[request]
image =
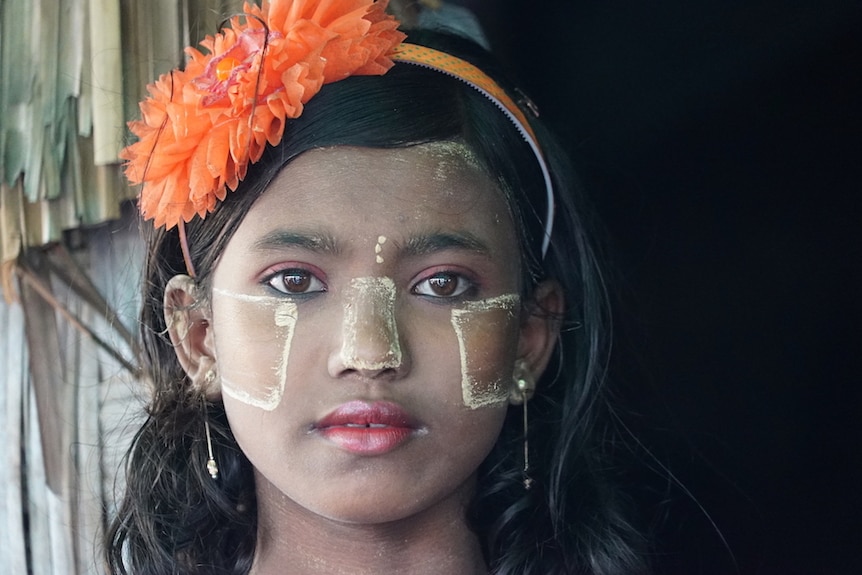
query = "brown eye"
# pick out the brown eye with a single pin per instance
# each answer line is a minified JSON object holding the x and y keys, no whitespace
{"x":443,"y":285}
{"x":295,"y":282}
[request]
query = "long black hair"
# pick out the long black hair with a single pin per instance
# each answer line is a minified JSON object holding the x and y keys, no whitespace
{"x":175,"y":519}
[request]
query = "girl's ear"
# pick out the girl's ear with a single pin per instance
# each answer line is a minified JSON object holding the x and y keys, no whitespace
{"x":187,"y":316}
{"x":540,"y":326}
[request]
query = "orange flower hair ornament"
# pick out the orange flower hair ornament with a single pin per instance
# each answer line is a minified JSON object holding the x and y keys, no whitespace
{"x":202,"y":126}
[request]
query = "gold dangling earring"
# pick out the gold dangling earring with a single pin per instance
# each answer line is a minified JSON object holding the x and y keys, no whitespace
{"x":523,"y":390}
{"x":212,"y":466}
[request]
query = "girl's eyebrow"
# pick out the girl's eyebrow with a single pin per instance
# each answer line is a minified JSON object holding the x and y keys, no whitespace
{"x":415,"y":246}
{"x":429,"y":243}
{"x":311,"y":241}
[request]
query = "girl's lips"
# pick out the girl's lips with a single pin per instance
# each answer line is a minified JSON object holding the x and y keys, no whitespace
{"x":367,"y":428}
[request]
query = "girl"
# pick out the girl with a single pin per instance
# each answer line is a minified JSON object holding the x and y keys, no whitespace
{"x":372,"y":320}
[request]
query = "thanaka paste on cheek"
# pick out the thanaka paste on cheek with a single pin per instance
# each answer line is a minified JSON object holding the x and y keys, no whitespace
{"x":370,"y":335}
{"x":284,"y":317}
{"x":477,"y":327}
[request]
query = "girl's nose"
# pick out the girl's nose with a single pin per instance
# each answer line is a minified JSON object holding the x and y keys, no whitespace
{"x":370,"y":344}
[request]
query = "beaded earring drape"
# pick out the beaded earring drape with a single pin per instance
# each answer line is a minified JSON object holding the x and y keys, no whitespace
{"x":211,"y":466}
{"x":523,"y":389}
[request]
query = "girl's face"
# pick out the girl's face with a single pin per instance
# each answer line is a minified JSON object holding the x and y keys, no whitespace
{"x":365,"y":322}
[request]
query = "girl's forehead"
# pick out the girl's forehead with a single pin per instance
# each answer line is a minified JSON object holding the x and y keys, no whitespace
{"x":435,"y":184}
{"x":438,"y":164}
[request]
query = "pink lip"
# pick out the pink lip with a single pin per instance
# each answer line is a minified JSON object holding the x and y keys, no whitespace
{"x":367,"y":428}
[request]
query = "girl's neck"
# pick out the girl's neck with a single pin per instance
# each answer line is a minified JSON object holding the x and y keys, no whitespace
{"x":294,"y":541}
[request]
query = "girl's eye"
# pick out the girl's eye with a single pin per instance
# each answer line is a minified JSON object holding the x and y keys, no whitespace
{"x":443,"y":284}
{"x":295,"y":281}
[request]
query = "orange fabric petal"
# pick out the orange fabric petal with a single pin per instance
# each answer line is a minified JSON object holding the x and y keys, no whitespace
{"x":200,"y":181}
{"x":218,"y":148}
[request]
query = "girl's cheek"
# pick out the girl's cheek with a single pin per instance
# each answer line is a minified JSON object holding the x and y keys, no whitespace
{"x":487,"y":336}
{"x":254,"y":347}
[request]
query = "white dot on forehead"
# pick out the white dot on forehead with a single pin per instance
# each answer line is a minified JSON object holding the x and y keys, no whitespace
{"x":379,"y":248}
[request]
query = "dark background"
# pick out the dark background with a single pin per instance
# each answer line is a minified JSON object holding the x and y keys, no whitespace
{"x":720,"y":143}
